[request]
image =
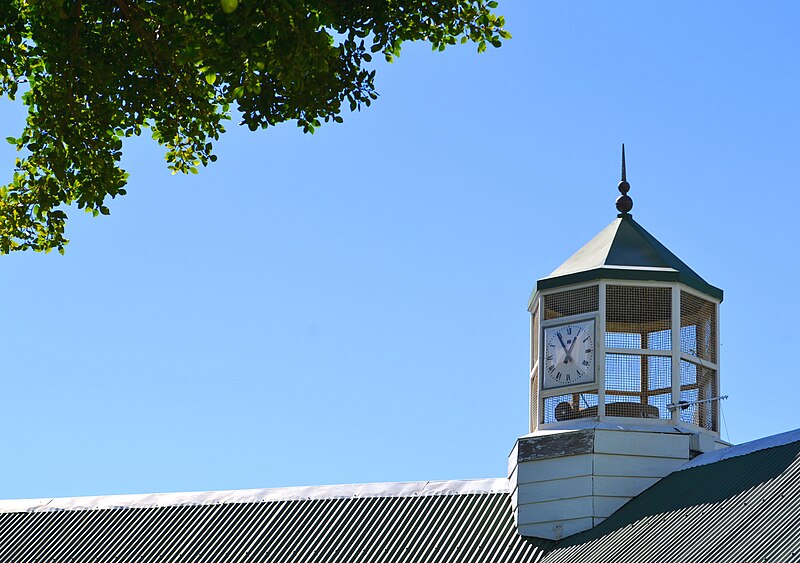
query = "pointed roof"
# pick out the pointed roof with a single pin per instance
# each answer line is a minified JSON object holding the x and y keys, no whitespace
{"x":624,"y":250}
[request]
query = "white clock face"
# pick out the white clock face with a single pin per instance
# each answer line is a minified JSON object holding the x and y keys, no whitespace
{"x":568,"y":354}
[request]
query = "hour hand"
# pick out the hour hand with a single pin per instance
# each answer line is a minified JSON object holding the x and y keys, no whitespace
{"x":574,"y":340}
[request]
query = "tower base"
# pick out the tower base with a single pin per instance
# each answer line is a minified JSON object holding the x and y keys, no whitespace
{"x":567,"y":481}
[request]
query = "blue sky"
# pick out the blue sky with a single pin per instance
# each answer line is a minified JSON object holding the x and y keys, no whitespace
{"x":351,"y":306}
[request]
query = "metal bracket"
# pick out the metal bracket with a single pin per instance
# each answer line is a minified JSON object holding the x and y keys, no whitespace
{"x":683,"y":405}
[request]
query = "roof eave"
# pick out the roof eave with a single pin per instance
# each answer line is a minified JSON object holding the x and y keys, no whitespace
{"x":630,"y":274}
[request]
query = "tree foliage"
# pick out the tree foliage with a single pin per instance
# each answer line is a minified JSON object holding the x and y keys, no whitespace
{"x":92,"y":73}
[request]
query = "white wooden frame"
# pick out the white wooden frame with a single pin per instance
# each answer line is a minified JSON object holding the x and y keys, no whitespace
{"x":599,"y":364}
{"x":599,"y":316}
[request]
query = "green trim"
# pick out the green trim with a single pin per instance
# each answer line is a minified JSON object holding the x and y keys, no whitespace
{"x":624,"y":250}
{"x":632,"y":275}
{"x":754,"y":491}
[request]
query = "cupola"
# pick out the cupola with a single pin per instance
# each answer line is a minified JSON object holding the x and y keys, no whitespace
{"x":624,"y":377}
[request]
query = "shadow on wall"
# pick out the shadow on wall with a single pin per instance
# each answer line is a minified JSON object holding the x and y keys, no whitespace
{"x":679,"y":493}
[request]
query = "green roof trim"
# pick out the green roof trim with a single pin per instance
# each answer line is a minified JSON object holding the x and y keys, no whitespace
{"x":624,"y":250}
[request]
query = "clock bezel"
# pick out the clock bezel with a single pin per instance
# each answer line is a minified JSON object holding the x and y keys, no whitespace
{"x":556,"y":324}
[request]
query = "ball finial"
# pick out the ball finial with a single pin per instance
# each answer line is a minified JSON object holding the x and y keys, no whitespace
{"x":624,"y":202}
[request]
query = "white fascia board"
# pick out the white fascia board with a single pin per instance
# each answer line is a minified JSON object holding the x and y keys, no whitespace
{"x":366,"y":490}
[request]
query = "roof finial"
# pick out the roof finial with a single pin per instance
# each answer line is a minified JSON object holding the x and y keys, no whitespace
{"x":624,"y":202}
{"x":623,"y":163}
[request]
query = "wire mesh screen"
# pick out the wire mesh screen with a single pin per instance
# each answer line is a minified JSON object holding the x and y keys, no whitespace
{"x":638,"y":317}
{"x":534,"y":338}
{"x":570,"y":406}
{"x":698,"y":383}
{"x":698,"y":327}
{"x":572,"y":302}
{"x":638,"y":386}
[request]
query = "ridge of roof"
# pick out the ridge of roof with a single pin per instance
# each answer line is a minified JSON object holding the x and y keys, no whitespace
{"x":316,"y":492}
{"x":743,"y":449}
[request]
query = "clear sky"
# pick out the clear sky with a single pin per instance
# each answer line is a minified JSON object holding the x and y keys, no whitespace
{"x":351,"y":306}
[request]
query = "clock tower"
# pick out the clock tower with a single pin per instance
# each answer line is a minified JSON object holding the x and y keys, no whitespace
{"x":624,"y":378}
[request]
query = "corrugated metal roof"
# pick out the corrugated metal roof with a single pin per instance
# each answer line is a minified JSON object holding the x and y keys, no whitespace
{"x":741,"y":508}
{"x":432,"y":522}
{"x":744,"y":449}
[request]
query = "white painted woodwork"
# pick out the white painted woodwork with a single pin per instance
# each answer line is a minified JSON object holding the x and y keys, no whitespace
{"x":639,"y":351}
{"x":555,"y":469}
{"x":600,"y":348}
{"x":636,"y":466}
{"x":676,"y":345}
{"x":615,"y":486}
{"x":606,"y":506}
{"x":551,"y":511}
{"x":654,"y":444}
{"x":556,"y":530}
{"x":555,"y":489}
{"x":703,"y":442}
{"x":567,"y":482}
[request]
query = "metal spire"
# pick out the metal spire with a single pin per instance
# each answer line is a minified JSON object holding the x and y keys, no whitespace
{"x":624,"y":202}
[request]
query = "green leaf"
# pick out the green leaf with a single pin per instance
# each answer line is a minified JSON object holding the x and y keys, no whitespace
{"x":229,"y":6}
{"x":278,"y":61}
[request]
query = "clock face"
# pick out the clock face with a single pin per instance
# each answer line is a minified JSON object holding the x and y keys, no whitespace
{"x":568,"y":354}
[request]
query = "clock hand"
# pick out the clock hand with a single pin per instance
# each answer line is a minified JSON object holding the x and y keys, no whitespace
{"x":574,"y":340}
{"x":568,"y":357}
